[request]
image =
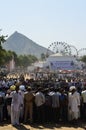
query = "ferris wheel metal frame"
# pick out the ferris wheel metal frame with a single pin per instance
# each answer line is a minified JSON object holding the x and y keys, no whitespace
{"x":67,"y":49}
{"x":54,"y":48}
{"x":74,"y":51}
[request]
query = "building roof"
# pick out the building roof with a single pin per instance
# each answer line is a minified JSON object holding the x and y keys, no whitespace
{"x":56,"y":54}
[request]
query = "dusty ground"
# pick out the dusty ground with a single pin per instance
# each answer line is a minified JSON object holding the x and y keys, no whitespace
{"x":80,"y":126}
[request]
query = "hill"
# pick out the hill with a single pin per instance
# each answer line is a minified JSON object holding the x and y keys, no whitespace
{"x":21,"y":44}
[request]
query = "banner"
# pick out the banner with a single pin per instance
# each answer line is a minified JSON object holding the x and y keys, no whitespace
{"x":62,"y":65}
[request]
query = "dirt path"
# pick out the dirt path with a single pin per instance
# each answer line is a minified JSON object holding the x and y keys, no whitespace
{"x":44,"y":127}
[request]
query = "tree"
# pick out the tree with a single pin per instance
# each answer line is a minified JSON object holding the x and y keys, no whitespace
{"x":83,"y":59}
{"x":2,"y":51}
{"x":43,"y":56}
{"x":2,"y":40}
{"x":25,"y":60}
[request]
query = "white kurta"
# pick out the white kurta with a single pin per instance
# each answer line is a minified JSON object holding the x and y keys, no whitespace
{"x":74,"y":103}
{"x":15,"y":107}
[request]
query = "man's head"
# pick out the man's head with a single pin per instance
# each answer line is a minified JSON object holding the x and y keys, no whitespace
{"x":72,"y":89}
{"x":29,"y":88}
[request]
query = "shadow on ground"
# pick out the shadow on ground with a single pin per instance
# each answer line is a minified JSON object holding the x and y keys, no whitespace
{"x":50,"y":126}
{"x":60,"y":125}
{"x":21,"y":127}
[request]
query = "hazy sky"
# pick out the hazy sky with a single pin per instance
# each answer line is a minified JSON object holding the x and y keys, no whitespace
{"x":45,"y":21}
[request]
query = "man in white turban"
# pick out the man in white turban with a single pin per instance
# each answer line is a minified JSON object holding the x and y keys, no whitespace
{"x":74,"y":104}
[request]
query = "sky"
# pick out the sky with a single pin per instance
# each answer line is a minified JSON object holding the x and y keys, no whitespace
{"x":45,"y":21}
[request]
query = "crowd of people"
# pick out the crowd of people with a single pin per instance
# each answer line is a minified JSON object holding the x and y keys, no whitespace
{"x":42,"y":101}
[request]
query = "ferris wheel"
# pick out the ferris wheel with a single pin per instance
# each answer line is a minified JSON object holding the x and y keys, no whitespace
{"x":59,"y":47}
{"x":74,"y":51}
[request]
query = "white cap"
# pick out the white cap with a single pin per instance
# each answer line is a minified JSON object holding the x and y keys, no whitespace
{"x":22,"y":87}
